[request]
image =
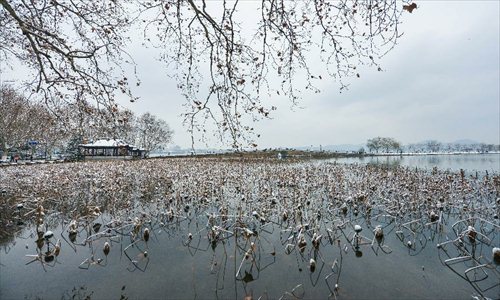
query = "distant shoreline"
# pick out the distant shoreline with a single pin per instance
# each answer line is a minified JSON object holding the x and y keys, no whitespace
{"x":311,"y":154}
{"x":268,"y":155}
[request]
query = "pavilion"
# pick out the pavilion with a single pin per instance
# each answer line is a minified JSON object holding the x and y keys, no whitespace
{"x":110,"y":149}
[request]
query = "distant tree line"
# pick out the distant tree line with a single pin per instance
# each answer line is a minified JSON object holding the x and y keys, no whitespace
{"x":390,"y":145}
{"x":30,"y":126}
{"x":383,"y":144}
{"x":434,"y":146}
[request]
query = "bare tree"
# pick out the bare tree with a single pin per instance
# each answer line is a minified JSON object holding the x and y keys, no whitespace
{"x":152,"y":132}
{"x":373,"y":144}
{"x":95,"y":123}
{"x":23,"y":121}
{"x":385,"y":143}
{"x":12,"y":118}
{"x":124,"y":127}
{"x":45,"y":129}
{"x":433,"y":146}
{"x":76,"y":48}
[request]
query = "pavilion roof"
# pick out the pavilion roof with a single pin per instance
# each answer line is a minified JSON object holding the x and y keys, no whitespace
{"x":106,"y":143}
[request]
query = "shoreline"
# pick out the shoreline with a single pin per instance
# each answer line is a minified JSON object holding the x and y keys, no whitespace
{"x":272,"y":154}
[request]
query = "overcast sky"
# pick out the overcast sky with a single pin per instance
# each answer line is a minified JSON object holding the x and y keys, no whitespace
{"x":440,"y":82}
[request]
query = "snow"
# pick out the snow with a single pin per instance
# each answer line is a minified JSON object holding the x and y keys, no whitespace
{"x":106,"y":143}
{"x":111,"y":143}
{"x":48,"y":235}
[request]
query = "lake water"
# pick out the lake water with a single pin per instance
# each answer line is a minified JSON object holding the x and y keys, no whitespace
{"x":230,"y":229}
{"x":469,"y":162}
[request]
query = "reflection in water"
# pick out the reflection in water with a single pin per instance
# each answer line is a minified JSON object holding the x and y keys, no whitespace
{"x":471,"y":256}
{"x":234,"y":229}
{"x":471,"y":162}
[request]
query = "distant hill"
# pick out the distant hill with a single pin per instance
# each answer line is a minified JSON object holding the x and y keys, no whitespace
{"x":334,"y":148}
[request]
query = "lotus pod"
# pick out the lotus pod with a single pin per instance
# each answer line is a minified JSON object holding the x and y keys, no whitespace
{"x":496,"y":255}
{"x":106,"y":248}
{"x":379,"y":232}
{"x":312,"y":264}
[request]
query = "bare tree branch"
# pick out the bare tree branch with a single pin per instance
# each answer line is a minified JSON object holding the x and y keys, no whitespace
{"x":227,"y":65}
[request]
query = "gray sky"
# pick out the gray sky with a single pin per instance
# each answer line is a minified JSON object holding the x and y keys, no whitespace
{"x":440,"y":82}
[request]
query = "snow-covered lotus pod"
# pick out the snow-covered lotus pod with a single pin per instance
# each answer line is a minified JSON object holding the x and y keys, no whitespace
{"x":312,"y":264}
{"x":379,"y":232}
{"x":72,"y":225}
{"x":146,"y":234}
{"x":106,"y":248}
{"x":48,"y":234}
{"x":302,"y":244}
{"x":471,"y":233}
{"x":496,"y":255}
{"x":343,"y":208}
{"x":316,"y":240}
{"x":433,"y":216}
{"x":357,"y":228}
{"x":248,"y":233}
{"x":96,"y":211}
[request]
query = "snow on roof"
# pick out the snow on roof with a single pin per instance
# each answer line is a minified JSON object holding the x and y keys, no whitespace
{"x":106,"y":143}
{"x":136,"y":148}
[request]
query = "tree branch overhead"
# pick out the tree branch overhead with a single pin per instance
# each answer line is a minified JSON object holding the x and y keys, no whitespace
{"x":230,"y":57}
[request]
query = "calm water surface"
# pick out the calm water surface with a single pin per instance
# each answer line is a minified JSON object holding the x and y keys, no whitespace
{"x":469,"y":162}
